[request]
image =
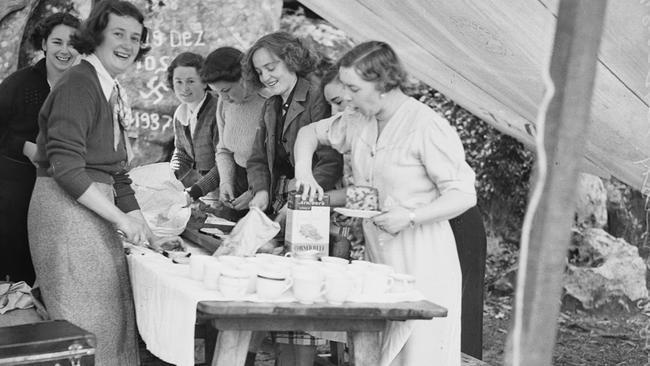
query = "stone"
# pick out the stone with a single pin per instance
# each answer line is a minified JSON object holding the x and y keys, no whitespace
{"x":604,"y":270}
{"x":591,"y":202}
{"x":13,"y":18}
{"x":177,"y":26}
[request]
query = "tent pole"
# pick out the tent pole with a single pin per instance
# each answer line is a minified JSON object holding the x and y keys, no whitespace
{"x":563,"y":128}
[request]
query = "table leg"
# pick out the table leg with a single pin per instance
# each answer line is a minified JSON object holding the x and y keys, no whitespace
{"x":231,"y":347}
{"x":366,"y":348}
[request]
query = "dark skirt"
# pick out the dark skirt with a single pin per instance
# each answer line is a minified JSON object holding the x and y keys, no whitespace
{"x":471,"y":246}
{"x":16,"y":187}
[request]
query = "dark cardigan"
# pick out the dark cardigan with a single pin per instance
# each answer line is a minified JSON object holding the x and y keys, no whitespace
{"x":307,"y":105}
{"x":75,"y":142}
{"x":21,"y":96}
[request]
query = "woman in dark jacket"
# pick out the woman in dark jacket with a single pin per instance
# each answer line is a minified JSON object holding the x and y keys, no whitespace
{"x":21,"y":97}
{"x":281,"y":63}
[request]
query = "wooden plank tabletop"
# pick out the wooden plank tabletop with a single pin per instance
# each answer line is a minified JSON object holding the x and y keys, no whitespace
{"x":368,"y":311}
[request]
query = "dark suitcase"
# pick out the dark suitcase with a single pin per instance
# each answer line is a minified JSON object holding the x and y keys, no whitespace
{"x":48,"y":343}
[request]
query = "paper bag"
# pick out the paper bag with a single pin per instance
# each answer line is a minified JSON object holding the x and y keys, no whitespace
{"x":251,"y":232}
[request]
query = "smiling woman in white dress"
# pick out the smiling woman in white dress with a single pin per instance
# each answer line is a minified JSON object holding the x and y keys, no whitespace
{"x":416,"y":161}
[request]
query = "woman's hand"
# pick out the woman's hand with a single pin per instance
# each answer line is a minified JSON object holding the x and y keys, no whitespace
{"x":392,"y":221}
{"x":135,"y":229}
{"x":260,"y":200}
{"x":226,"y":194}
{"x":242,"y":202}
{"x":310,"y":189}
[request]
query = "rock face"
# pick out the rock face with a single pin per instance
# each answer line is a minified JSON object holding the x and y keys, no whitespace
{"x":591,"y":202}
{"x":604,"y":270}
{"x":13,"y":18}
{"x":177,"y":26}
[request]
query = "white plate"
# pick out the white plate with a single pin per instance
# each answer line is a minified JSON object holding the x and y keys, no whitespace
{"x":366,"y":214}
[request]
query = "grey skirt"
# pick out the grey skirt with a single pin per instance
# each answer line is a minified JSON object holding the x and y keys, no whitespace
{"x":81,"y":270}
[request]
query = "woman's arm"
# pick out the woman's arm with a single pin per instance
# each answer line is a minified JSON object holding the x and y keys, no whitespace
{"x":304,"y":148}
{"x":449,"y":205}
{"x":225,"y":159}
{"x":135,"y":230}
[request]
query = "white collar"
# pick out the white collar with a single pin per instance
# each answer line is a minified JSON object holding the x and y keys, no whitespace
{"x":184,"y":115}
{"x":105,"y":79}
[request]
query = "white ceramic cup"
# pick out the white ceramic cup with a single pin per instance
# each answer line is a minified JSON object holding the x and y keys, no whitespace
{"x":308,"y":284}
{"x":402,"y":282}
{"x":272,"y":284}
{"x":211,"y":273}
{"x":376,"y":283}
{"x":231,"y":260}
{"x":338,"y":287}
{"x":311,"y":254}
{"x":233,"y":283}
{"x":251,"y":270}
{"x":335,"y":260}
{"x":197,"y":266}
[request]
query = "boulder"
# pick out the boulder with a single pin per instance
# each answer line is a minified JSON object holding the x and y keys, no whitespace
{"x":13,"y":18}
{"x":626,"y":214}
{"x":604,"y":270}
{"x":591,"y":202}
{"x":177,"y":26}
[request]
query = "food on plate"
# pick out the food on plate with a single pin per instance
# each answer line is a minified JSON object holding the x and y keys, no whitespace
{"x":362,"y":198}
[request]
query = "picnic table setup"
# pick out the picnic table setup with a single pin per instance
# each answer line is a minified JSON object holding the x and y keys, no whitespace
{"x":238,"y":296}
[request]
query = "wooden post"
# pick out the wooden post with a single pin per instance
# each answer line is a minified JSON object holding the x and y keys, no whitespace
{"x":546,"y":233}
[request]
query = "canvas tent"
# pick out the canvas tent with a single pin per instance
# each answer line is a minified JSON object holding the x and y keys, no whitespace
{"x":488,"y":56}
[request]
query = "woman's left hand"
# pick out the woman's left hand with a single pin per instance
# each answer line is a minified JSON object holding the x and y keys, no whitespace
{"x":392,"y":221}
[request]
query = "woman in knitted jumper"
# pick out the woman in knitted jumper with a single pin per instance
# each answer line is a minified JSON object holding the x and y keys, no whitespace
{"x":239,"y":110}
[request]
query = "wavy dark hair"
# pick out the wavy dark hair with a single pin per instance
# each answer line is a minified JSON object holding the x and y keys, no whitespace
{"x":90,"y":35}
{"x":377,"y":62}
{"x":293,"y":51}
{"x":222,"y":64}
{"x":44,"y":28}
{"x":330,"y":75}
{"x":185,"y":59}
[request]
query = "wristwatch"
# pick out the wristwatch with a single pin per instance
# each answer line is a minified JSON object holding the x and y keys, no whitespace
{"x":412,"y":219}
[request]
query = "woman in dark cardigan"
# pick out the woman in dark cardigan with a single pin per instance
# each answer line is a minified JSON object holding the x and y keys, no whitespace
{"x":82,"y":195}
{"x":21,"y":97}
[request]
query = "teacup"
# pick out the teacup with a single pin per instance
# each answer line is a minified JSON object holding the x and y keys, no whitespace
{"x":233,"y":283}
{"x":334,"y":260}
{"x":376,"y":283}
{"x":197,"y":266}
{"x":307,"y":284}
{"x":402,"y":282}
{"x":211,"y":273}
{"x":272,"y":284}
{"x":231,"y":260}
{"x":251,"y":269}
{"x":310,"y":254}
{"x":338,"y":287}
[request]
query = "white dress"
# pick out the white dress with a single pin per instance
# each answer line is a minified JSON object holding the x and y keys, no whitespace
{"x":417,"y":157}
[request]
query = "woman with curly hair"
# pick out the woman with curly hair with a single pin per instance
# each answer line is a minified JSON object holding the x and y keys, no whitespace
{"x":21,"y":96}
{"x":281,"y":63}
{"x":195,"y":127}
{"x":82,"y":195}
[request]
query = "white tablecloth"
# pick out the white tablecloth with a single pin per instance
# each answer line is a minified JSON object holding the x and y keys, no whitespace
{"x":166,"y":298}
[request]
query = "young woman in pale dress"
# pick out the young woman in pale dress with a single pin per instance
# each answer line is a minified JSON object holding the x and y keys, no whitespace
{"x":416,"y":161}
